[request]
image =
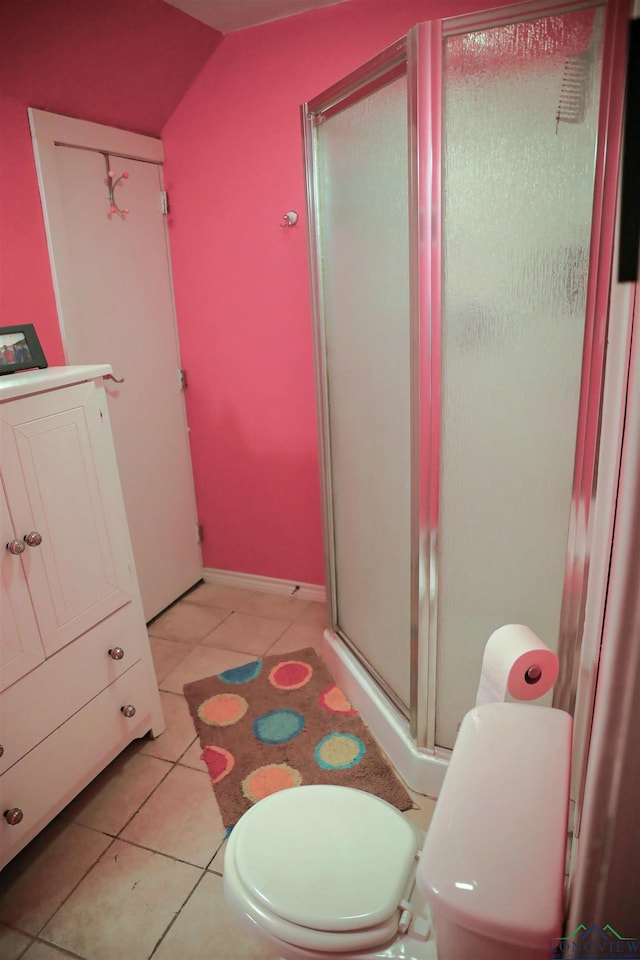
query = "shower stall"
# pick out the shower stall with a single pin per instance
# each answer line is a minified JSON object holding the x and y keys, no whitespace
{"x":457,"y":192}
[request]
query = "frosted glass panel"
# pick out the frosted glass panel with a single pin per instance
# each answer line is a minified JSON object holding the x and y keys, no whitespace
{"x":362,"y":164}
{"x":518,"y":168}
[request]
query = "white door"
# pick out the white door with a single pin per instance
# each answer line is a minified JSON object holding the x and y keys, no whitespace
{"x":113,"y":286}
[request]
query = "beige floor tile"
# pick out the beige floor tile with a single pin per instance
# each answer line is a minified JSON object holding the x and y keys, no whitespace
{"x":421,"y":817}
{"x":191,"y":758}
{"x":247,"y":633}
{"x":12,"y":943}
{"x":179,"y":731}
{"x":217,"y":864}
{"x":277,"y":605}
{"x":187,"y":622}
{"x":180,"y":819}
{"x":202,"y":662}
{"x":211,"y":594}
{"x":123,"y":906}
{"x":44,"y":951}
{"x":316,"y":613}
{"x":206,"y":928}
{"x":296,"y":637}
{"x":33,"y":886}
{"x":167,"y":654}
{"x":114,"y":796}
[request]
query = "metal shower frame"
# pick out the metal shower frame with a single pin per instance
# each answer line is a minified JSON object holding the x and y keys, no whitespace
{"x":418,"y":56}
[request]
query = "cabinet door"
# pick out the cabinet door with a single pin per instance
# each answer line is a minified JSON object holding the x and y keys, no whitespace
{"x":20,"y":646}
{"x":61,"y":481}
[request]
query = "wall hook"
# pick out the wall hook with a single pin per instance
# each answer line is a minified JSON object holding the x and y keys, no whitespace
{"x":289,"y":219}
{"x":112,"y":183}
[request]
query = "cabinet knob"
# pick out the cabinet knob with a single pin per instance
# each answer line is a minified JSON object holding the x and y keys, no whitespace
{"x":16,"y":547}
{"x":116,"y":653}
{"x":129,"y":710}
{"x":13,"y":816}
{"x":33,"y":539}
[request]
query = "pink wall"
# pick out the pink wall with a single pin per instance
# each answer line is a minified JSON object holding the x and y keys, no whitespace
{"x":126,"y":63}
{"x":26,"y":290}
{"x":234,"y":167}
{"x":120,"y":63}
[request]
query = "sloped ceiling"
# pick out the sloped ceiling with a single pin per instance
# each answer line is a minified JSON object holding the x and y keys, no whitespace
{"x":230,"y":15}
{"x":125,"y":63}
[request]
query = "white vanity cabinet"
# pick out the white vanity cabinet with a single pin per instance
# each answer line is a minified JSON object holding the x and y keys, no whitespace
{"x":77,"y":682}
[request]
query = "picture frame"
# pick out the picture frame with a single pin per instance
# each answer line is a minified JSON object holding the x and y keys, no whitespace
{"x":20,"y":349}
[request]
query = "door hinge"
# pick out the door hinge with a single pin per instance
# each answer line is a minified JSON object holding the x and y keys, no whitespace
{"x":182,"y":379}
{"x":198,"y":533}
{"x":164,"y":202}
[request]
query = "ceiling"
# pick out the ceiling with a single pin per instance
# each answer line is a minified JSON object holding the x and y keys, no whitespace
{"x":229,"y":15}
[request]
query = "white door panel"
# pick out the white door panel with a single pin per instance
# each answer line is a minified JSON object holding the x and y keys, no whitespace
{"x":20,"y":644}
{"x":51,"y":452}
{"x":115,"y":298}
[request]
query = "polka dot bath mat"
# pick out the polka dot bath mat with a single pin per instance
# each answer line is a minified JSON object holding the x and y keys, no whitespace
{"x":280,"y":722}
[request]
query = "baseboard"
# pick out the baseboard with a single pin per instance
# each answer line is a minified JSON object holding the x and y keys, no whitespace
{"x":247,"y":581}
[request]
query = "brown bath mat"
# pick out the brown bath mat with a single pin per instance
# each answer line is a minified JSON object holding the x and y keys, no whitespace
{"x":280,"y":722}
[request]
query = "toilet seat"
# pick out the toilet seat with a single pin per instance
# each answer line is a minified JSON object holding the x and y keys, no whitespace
{"x":323,"y":867}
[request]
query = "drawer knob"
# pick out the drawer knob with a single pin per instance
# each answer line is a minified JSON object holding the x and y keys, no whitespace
{"x":16,"y":547}
{"x":13,"y":816}
{"x":129,"y":710}
{"x":116,"y":653}
{"x":33,"y":539}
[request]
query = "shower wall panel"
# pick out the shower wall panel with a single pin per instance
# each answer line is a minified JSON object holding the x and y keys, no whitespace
{"x":520,"y":114}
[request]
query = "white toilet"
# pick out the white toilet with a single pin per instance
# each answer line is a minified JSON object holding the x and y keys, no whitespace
{"x":317,"y":872}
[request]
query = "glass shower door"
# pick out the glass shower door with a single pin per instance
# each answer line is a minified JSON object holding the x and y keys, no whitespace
{"x":360,"y":160}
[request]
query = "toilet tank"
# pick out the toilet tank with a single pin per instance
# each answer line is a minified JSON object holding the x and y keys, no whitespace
{"x":493,"y":862}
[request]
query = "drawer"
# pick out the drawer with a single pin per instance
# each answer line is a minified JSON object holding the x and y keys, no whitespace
{"x":49,"y":777}
{"x":45,"y":698}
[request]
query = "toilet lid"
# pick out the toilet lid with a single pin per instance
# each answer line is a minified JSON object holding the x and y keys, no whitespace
{"x":326,"y":857}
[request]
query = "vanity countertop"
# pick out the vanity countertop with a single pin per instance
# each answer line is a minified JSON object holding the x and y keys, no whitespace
{"x":22,"y":384}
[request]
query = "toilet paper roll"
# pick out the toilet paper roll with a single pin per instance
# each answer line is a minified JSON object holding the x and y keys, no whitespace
{"x":516,"y":661}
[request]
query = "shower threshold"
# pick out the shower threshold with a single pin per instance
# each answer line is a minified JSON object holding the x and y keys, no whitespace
{"x":423,"y":771}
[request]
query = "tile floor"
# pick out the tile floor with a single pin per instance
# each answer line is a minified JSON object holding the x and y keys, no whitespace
{"x":132,"y":868}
